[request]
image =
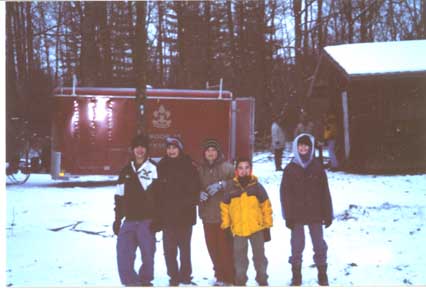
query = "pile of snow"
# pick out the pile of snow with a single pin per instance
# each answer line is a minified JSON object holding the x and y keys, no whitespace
{"x":58,"y":233}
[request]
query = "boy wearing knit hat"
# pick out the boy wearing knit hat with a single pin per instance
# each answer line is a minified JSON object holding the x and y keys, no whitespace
{"x":134,"y":201}
{"x":306,"y":200}
{"x":178,"y":198}
{"x":214,"y":172}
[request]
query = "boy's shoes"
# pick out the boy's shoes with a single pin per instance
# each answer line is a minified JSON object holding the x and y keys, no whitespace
{"x":297,"y":275}
{"x":188,"y":283}
{"x":173,"y":282}
{"x":146,"y":284}
{"x":322,"y":275}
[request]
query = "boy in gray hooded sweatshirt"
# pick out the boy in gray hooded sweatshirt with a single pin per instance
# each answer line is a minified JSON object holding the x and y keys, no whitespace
{"x":306,"y":200}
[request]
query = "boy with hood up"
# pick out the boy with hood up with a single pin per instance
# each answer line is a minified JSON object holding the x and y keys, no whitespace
{"x":306,"y":200}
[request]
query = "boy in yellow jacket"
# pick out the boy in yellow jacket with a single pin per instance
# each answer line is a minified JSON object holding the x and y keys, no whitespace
{"x":246,"y":212}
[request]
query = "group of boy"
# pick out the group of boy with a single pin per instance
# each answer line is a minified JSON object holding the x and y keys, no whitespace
{"x":233,"y":206}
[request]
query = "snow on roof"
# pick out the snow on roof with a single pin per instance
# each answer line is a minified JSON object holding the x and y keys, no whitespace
{"x":378,"y":58}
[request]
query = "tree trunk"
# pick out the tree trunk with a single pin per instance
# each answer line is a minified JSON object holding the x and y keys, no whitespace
{"x":19,"y":45}
{"x":347,"y":8}
{"x":141,"y":63}
{"x":363,"y":25}
{"x":45,"y":37}
{"x":11,"y":95}
{"x":105,"y":39}
{"x":160,"y":42}
{"x":29,"y":40}
{"x":233,"y":52}
{"x":320,"y":27}
{"x":89,"y":58}
{"x":207,"y":43}
{"x":182,"y":69}
{"x":58,"y":49}
{"x":295,"y":98}
{"x":423,"y":8}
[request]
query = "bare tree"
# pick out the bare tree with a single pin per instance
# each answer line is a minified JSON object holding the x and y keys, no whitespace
{"x":140,"y":63}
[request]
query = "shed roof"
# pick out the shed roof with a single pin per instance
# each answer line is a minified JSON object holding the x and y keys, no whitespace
{"x":380,"y":58}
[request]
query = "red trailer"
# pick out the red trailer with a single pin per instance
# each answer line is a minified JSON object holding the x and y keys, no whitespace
{"x":92,"y":127}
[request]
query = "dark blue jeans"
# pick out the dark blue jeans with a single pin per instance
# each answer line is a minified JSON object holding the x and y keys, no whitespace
{"x":178,"y":238}
{"x":298,"y":244}
{"x":134,"y":234}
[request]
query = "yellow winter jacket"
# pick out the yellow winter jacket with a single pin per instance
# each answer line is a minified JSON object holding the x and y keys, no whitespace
{"x":246,"y":210}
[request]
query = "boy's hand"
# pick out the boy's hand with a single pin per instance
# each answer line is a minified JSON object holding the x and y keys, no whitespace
{"x":289,"y":224}
{"x":204,"y":196}
{"x":328,"y":223}
{"x":228,"y":234}
{"x":215,"y":187}
{"x":116,"y":226}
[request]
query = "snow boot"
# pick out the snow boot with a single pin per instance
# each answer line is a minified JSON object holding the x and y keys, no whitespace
{"x":297,"y":275}
{"x":322,"y":275}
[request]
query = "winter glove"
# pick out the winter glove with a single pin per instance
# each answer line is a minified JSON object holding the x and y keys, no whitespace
{"x":289,"y":224}
{"x":327,"y":223}
{"x":116,"y":226}
{"x":215,"y":187}
{"x":267,"y":235}
{"x":204,"y":196}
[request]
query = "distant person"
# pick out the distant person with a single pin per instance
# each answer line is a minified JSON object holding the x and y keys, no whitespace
{"x":277,"y":143}
{"x":247,"y":215}
{"x":306,"y":200}
{"x":330,"y":132}
{"x":134,"y":201}
{"x":179,"y":188}
{"x":304,"y":126}
{"x":214,"y":173}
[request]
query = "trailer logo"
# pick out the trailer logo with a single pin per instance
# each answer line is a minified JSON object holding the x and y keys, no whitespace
{"x":162,"y":118}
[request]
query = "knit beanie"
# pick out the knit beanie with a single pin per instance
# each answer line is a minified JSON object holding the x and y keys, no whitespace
{"x":140,"y":140}
{"x":174,"y":140}
{"x":211,"y":142}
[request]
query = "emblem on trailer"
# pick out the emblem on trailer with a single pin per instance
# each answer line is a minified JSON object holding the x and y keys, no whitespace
{"x":162,"y":118}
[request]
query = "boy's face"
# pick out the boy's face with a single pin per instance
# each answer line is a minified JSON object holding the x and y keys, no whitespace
{"x":139,"y":152}
{"x":303,"y":149}
{"x":210,"y":154}
{"x":243,"y":169}
{"x":172,"y":151}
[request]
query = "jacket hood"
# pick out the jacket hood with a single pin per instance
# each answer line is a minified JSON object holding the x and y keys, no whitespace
{"x":297,"y":159}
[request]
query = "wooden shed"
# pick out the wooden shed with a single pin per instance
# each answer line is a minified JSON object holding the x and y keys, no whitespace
{"x":378,"y":91}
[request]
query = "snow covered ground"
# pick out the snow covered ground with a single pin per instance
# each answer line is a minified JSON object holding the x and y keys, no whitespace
{"x":58,"y":233}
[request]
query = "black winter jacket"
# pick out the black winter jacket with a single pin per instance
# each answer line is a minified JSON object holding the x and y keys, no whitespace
{"x":179,"y":186}
{"x":305,"y":195}
{"x":132,"y":200}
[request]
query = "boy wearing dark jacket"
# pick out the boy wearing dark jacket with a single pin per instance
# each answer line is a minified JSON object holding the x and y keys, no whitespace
{"x":179,"y":188}
{"x":306,"y":200}
{"x":246,"y":213}
{"x":134,"y":201}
